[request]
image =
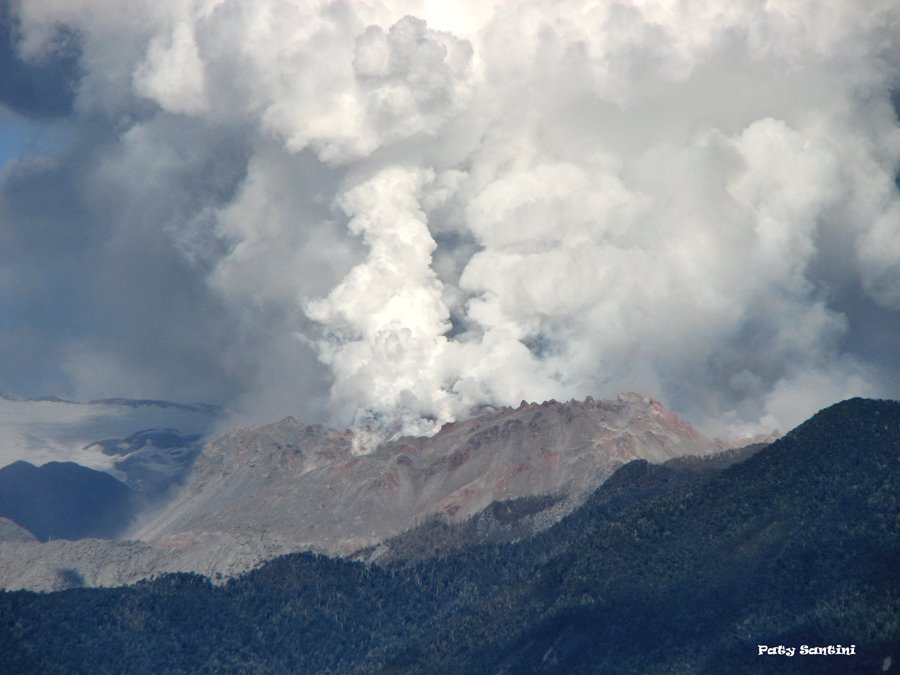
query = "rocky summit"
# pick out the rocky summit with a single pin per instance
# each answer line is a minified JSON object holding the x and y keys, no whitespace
{"x":259,"y":492}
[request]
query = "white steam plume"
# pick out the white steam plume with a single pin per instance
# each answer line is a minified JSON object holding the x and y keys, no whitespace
{"x":530,"y":200}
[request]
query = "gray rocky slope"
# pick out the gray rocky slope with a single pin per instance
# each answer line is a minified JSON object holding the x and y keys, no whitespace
{"x":259,"y":492}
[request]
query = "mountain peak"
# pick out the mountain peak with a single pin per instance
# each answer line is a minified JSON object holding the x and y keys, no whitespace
{"x":305,"y":483}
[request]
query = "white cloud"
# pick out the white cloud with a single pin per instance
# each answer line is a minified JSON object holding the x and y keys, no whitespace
{"x":530,"y":200}
{"x":172,"y":73}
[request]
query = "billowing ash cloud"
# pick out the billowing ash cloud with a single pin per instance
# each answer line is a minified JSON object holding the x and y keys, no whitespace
{"x":399,"y":212}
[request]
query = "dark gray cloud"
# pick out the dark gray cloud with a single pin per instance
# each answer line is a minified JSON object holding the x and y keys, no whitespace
{"x":37,"y":88}
{"x":342,"y":211}
{"x":92,"y":283}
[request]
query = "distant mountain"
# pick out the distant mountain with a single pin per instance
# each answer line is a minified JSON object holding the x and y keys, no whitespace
{"x":51,"y":429}
{"x":63,"y":500}
{"x":662,"y":569}
{"x":260,"y":492}
{"x":50,"y":399}
{"x":204,"y":408}
{"x":61,"y":462}
{"x":152,"y":461}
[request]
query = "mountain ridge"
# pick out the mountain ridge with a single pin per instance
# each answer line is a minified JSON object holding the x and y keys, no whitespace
{"x":259,"y":477}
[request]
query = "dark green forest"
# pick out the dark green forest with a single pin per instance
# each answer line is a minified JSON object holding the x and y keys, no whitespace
{"x":662,"y":569}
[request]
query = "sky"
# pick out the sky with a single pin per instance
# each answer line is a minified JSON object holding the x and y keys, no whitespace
{"x":395,"y":214}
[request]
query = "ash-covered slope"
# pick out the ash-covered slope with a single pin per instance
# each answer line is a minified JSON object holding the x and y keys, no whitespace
{"x":11,"y":531}
{"x":259,"y":492}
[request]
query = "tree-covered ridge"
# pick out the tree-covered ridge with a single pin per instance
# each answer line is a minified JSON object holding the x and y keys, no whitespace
{"x":798,"y":544}
{"x":661,"y":570}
